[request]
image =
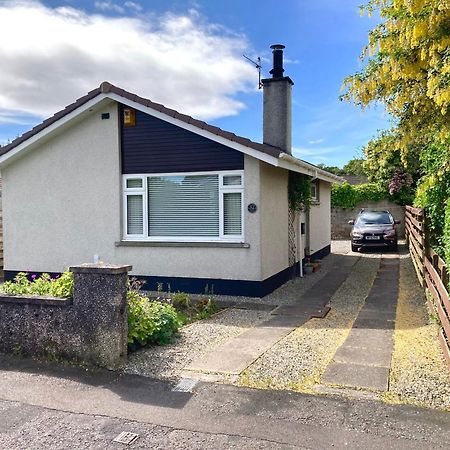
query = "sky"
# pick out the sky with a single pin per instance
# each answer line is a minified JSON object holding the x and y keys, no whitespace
{"x":188,"y":55}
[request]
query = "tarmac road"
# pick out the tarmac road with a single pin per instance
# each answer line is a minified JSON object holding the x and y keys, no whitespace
{"x":47,"y":406}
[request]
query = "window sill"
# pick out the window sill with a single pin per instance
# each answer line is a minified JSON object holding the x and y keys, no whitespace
{"x":182,"y":244}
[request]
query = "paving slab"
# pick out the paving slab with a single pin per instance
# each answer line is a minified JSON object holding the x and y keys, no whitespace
{"x":238,"y":353}
{"x":289,"y":322}
{"x":364,"y":334}
{"x":374,"y":323}
{"x":375,"y":313}
{"x":369,"y":340}
{"x":380,"y":357}
{"x":357,"y":376}
{"x":380,"y":305}
{"x":364,"y":360}
{"x":300,"y":309}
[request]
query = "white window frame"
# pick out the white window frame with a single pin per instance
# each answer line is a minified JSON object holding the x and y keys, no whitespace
{"x":134,"y":191}
{"x":316,"y":197}
{"x":144,"y":192}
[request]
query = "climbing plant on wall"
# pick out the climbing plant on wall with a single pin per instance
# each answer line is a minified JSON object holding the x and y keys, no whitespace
{"x":299,"y":191}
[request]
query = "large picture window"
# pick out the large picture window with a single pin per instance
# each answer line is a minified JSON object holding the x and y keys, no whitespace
{"x":184,"y":207}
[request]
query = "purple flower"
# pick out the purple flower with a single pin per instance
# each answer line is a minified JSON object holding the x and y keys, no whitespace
{"x":399,"y":180}
{"x":33,"y":277}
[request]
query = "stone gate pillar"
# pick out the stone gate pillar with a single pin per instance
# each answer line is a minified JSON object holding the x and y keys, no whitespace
{"x":100,"y":309}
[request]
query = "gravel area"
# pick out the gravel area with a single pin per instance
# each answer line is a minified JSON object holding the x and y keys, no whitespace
{"x":284,"y":295}
{"x":194,"y":340}
{"x":298,"y":360}
{"x":293,"y":289}
{"x":199,"y":338}
{"x":419,"y":374}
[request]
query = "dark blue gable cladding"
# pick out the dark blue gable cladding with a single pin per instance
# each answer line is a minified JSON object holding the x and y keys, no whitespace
{"x":156,"y":146}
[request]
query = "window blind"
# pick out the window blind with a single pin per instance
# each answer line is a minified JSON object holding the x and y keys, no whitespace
{"x":135,"y":214}
{"x":232,"y":213}
{"x":183,"y":206}
{"x":232,"y":180}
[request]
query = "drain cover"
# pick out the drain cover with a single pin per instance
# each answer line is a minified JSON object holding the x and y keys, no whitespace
{"x":185,"y":385}
{"x":126,"y":437}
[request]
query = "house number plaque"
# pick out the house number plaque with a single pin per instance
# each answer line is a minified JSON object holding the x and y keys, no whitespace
{"x":252,"y":208}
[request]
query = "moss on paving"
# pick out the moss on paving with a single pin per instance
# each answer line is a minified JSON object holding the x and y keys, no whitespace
{"x":418,"y":374}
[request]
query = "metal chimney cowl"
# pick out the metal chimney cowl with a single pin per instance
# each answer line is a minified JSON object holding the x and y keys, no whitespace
{"x":277,"y":106}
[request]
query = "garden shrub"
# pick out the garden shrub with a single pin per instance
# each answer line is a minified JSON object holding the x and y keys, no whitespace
{"x":150,"y":322}
{"x":432,"y":194}
{"x":60,"y":286}
{"x":181,"y":300}
{"x":190,"y":311}
{"x":346,"y":195}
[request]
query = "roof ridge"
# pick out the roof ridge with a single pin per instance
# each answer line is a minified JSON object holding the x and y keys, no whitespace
{"x":107,"y":87}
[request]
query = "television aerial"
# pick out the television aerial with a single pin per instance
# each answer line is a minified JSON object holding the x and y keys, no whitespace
{"x":258,"y":66}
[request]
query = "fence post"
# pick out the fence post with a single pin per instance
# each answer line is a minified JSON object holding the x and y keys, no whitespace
{"x":426,"y":245}
{"x":444,"y":277}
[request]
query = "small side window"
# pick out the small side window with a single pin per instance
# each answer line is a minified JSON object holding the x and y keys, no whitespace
{"x":134,"y":183}
{"x":315,"y":194}
{"x":232,"y":180}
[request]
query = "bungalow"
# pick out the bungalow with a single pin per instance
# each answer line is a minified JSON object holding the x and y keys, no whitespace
{"x":116,"y":177}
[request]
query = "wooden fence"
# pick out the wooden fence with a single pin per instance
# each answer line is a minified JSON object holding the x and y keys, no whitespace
{"x":1,"y":233}
{"x":431,"y":271}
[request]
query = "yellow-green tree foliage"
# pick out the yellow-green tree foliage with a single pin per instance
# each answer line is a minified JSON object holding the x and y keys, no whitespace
{"x":408,"y":67}
{"x":408,"y":70}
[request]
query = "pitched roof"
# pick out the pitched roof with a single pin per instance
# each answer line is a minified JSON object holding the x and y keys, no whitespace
{"x":281,"y":158}
{"x":106,"y":87}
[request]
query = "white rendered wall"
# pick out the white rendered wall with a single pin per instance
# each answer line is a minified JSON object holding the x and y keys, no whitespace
{"x":320,"y":219}
{"x":60,"y":200}
{"x":274,"y":220}
{"x":62,"y":205}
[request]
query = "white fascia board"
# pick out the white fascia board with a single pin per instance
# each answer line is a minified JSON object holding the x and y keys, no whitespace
{"x":47,"y":131}
{"x":192,"y":128}
{"x":290,"y":163}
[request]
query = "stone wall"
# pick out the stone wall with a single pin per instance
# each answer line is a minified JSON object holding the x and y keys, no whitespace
{"x":340,"y":229}
{"x":91,"y":327}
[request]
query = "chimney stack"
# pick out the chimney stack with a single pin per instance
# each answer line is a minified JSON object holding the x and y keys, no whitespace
{"x":277,"y":104}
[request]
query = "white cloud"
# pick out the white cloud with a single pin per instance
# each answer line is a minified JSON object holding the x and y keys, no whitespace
{"x":133,"y":5}
{"x":109,"y":6}
{"x":315,"y":151}
{"x":315,"y":141}
{"x":317,"y":154}
{"x":52,"y":56}
{"x":11,"y":118}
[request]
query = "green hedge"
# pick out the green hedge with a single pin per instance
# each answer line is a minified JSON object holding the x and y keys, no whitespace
{"x":348,"y":196}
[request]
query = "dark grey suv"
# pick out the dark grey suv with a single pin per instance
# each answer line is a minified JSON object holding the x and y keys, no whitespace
{"x":373,"y":228}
